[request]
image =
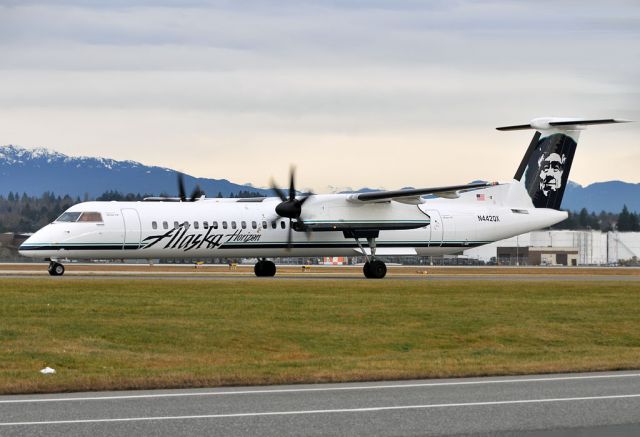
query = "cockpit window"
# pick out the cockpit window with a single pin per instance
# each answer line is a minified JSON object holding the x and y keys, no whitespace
{"x":90,"y":217}
{"x":80,"y":217}
{"x":68,"y":217}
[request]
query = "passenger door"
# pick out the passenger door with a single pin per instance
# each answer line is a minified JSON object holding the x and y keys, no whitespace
{"x":435,"y":227}
{"x":132,"y":228}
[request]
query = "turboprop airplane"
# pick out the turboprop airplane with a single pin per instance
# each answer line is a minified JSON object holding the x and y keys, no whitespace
{"x":423,"y":222}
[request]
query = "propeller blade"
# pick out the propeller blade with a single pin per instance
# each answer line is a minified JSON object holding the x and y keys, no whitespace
{"x":290,"y":207}
{"x":181,"y":193}
{"x":292,"y":187}
{"x":278,"y":191}
{"x":196,"y":194}
{"x":305,"y":198}
{"x":290,"y":236}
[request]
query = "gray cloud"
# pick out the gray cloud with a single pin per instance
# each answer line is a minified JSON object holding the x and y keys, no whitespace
{"x":267,"y":73}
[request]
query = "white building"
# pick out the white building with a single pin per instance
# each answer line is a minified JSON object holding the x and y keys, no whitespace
{"x":594,"y":247}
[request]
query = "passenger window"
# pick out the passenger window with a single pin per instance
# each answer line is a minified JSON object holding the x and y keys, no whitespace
{"x":244,"y":224}
{"x":254,"y":225}
{"x":90,"y":217}
{"x":224,"y":225}
{"x":176,"y":225}
{"x":282,"y":224}
{"x":186,"y":225}
{"x":264,"y":225}
{"x":205,"y":225}
{"x":233,"y":224}
{"x":215,"y":225}
{"x":165,"y":225}
{"x":154,"y":225}
{"x":196,"y":225}
{"x":273,"y":225}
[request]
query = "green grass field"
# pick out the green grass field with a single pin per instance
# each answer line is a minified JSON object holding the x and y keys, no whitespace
{"x":124,"y":334}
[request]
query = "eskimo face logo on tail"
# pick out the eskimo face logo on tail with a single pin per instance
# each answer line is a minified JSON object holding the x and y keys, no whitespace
{"x":551,"y":170}
{"x":548,"y":169}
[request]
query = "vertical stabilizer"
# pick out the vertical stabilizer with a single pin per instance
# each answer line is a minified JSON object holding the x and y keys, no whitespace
{"x":545,"y":167}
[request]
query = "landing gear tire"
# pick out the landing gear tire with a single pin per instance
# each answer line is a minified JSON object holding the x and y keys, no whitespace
{"x":264,"y":268}
{"x":56,"y":269}
{"x":374,"y":269}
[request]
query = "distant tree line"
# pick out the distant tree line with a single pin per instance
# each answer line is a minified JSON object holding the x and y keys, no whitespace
{"x":24,"y":213}
{"x":628,"y":221}
{"x":624,"y":221}
{"x":242,"y":194}
{"x":110,"y":195}
{"x":130,"y":197}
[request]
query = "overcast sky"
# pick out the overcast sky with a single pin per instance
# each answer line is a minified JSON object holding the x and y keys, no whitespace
{"x":381,"y":93}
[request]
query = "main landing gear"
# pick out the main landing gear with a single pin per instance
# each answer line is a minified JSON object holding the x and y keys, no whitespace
{"x":373,"y":268}
{"x":265,"y":268}
{"x":56,"y":269}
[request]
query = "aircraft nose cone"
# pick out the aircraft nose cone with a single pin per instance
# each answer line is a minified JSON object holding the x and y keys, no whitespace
{"x":23,"y":247}
{"x":27,"y":247}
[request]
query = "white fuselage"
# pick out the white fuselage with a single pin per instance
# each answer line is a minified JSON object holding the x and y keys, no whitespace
{"x":230,"y":228}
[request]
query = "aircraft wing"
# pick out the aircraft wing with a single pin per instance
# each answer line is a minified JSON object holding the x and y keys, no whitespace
{"x":363,"y":224}
{"x":413,"y":195}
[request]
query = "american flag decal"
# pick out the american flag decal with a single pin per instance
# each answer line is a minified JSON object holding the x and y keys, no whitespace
{"x":480,"y":197}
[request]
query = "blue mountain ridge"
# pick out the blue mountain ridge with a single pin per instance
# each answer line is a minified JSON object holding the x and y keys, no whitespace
{"x":608,"y":196}
{"x":34,"y":171}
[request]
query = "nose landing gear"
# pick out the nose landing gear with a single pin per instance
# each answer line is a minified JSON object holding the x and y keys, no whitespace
{"x":265,"y":268}
{"x":56,"y":269}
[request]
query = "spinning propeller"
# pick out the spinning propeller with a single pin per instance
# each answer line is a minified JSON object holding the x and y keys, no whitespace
{"x":195,"y":194}
{"x":290,"y":207}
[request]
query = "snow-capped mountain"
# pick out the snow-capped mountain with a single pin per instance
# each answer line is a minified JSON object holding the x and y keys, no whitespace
{"x":34,"y":171}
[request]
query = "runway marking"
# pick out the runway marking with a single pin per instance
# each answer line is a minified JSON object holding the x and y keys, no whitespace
{"x":318,"y":389}
{"x":332,"y":411}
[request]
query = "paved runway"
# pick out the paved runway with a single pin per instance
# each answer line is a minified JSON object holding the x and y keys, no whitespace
{"x":573,"y":404}
{"x":325,"y":276}
{"x":289,"y":272}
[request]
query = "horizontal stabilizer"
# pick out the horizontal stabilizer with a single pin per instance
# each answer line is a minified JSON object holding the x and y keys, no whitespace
{"x":559,"y":123}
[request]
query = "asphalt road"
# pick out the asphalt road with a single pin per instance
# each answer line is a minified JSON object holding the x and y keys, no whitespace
{"x":554,"y":405}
